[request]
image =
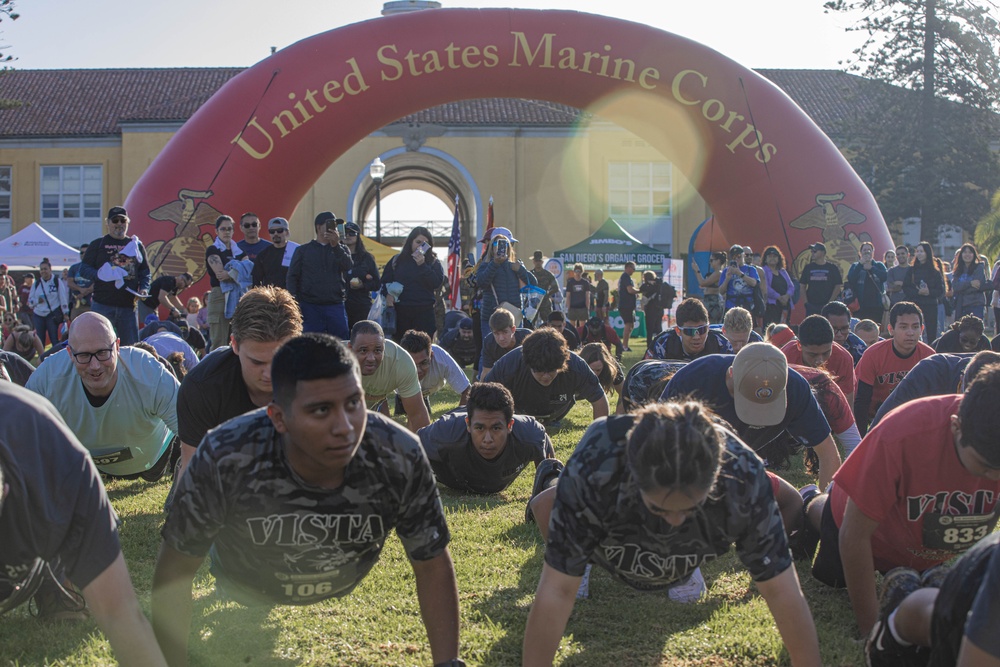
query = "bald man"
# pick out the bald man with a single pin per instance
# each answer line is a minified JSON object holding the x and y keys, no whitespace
{"x":120,"y":402}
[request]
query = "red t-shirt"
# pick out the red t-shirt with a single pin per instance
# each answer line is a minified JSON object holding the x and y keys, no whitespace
{"x":840,"y":364}
{"x":883,"y":369}
{"x":907,"y":476}
{"x":831,"y":399}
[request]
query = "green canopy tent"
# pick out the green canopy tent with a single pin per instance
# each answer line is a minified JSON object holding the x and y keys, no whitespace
{"x":612,"y":246}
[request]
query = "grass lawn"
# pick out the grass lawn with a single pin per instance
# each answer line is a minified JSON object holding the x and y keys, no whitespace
{"x":498,"y":560}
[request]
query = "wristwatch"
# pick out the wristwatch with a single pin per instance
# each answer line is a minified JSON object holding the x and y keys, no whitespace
{"x":454,"y":662}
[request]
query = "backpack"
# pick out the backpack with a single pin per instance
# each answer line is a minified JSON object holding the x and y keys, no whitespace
{"x":668,"y":293}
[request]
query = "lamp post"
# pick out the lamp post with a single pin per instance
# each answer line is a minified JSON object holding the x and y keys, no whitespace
{"x":377,"y":172}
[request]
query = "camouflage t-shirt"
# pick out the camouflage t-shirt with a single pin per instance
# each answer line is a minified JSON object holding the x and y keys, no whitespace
{"x":599,"y":517}
{"x":646,"y":380}
{"x":276,"y":539}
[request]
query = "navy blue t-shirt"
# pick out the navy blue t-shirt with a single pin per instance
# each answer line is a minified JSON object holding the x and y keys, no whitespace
{"x":705,"y":380}
{"x":937,"y":375}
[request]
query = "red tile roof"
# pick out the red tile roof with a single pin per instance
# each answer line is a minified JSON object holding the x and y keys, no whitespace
{"x":94,"y":102}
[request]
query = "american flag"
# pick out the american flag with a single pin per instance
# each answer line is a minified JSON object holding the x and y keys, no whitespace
{"x":455,"y":262}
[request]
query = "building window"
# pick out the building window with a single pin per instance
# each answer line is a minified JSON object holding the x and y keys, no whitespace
{"x":72,"y":202}
{"x":640,"y":199}
{"x":5,"y":203}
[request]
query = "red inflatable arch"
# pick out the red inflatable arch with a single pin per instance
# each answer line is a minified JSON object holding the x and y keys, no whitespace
{"x":768,"y":173}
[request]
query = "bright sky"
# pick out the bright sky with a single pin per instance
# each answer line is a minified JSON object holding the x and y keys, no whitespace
{"x":53,"y":34}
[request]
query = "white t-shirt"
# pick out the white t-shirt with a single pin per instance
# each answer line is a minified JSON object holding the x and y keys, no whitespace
{"x":443,"y":369}
{"x":137,"y":421}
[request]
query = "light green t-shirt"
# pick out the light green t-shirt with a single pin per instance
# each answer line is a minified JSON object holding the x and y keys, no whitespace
{"x":137,"y":421}
{"x":397,"y":373}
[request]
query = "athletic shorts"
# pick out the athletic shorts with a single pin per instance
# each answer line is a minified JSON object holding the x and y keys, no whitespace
{"x":628,"y":316}
{"x":828,"y":568}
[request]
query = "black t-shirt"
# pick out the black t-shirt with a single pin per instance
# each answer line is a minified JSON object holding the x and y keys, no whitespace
{"x":462,"y":351}
{"x":949,"y":342}
{"x":212,"y":393}
{"x":18,"y":369}
{"x":492,"y":352}
{"x":645,"y":381}
{"x":668,"y":345}
{"x":224,"y":255}
{"x":626,"y":300}
{"x":56,"y":508}
{"x":546,"y":403}
{"x":821,"y":279}
{"x":168,"y":283}
{"x":104,"y":250}
{"x":577,"y":291}
{"x":457,"y":464}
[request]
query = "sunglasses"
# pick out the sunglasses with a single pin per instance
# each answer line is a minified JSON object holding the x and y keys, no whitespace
{"x":350,"y":233}
{"x":250,"y":225}
{"x":272,"y":232}
{"x":119,"y":220}
{"x":691,"y":332}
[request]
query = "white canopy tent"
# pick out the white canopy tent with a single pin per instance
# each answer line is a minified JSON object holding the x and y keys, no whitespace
{"x":25,"y":249}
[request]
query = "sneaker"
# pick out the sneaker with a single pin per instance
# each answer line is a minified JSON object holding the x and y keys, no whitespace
{"x":53,"y":602}
{"x":689,"y":590}
{"x":583,"y":592}
{"x":934,"y":577}
{"x":881,"y":648}
{"x":896,"y":585}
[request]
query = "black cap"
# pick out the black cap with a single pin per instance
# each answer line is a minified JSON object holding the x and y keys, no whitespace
{"x":818,"y":246}
{"x":595,"y":322}
{"x":465,"y":323}
{"x":353,"y":227}
{"x":327,"y":216}
{"x":115,"y":211}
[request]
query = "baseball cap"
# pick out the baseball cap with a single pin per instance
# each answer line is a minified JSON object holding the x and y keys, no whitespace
{"x":537,"y":255}
{"x":736,"y":249}
{"x":595,"y":323}
{"x":115,"y":211}
{"x":327,"y":216}
{"x":465,"y":323}
{"x":502,"y":231}
{"x":3,"y":267}
{"x":760,"y":373}
{"x":352,"y":227}
{"x":277,"y":223}
{"x":818,"y":246}
{"x":152,"y":317}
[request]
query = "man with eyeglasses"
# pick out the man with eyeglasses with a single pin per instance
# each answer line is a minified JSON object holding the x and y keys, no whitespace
{"x":839,"y":316}
{"x":691,"y":337}
{"x":115,"y":301}
{"x":119,"y":401}
{"x":271,"y":265}
{"x":60,"y":533}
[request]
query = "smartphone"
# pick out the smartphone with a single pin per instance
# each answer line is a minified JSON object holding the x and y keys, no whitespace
{"x":340,"y":229}
{"x":424,"y":248}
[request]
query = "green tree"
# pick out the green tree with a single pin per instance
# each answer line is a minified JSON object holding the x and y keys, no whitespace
{"x":7,"y":12}
{"x":926,"y":154}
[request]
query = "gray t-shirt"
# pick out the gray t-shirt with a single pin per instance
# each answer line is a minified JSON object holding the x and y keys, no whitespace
{"x":458,"y":465}
{"x":896,"y":274}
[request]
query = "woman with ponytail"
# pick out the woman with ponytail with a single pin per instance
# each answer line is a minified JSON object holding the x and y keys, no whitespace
{"x":649,"y":497}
